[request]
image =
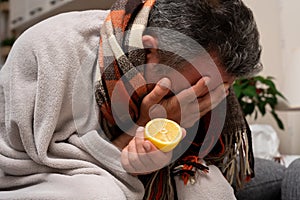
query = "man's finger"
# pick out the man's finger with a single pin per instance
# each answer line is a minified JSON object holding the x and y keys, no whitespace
{"x":139,"y":140}
{"x":200,"y":88}
{"x":183,"y":133}
{"x":134,"y":158}
{"x":160,"y":90}
{"x":125,"y":161}
{"x":212,"y":99}
{"x":192,"y":93}
{"x":220,"y":95}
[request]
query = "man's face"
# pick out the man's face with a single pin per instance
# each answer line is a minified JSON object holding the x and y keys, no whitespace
{"x":190,"y":73}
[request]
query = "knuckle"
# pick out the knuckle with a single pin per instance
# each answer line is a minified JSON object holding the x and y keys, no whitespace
{"x":157,"y":94}
{"x":152,"y":97}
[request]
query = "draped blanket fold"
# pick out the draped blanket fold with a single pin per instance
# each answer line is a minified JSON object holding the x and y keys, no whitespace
{"x":50,"y":147}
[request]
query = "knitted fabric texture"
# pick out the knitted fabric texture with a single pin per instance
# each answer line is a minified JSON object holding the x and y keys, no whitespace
{"x":120,"y":53}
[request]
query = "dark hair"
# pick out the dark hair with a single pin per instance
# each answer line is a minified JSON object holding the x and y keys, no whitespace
{"x":226,"y":27}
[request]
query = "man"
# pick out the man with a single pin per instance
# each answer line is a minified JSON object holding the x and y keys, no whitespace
{"x":70,"y":105}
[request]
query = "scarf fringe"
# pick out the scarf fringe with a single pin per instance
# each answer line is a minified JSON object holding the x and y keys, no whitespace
{"x":188,"y":167}
{"x":235,"y":161}
{"x":161,"y":185}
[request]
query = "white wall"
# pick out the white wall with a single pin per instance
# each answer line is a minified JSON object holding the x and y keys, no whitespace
{"x":280,"y":30}
{"x":290,"y":29}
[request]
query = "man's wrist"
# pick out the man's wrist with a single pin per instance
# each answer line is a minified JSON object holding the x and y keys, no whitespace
{"x":142,"y":122}
{"x":123,"y":140}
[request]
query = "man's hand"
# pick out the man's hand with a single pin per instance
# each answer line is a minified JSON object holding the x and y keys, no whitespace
{"x":186,"y":107}
{"x":140,"y":156}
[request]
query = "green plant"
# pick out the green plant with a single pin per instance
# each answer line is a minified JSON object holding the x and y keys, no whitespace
{"x":8,"y":41}
{"x":258,"y":93}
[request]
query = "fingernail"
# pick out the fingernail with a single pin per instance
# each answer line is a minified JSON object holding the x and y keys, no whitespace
{"x":165,"y":83}
{"x":140,"y":129}
{"x":206,"y":80}
{"x":147,"y":146}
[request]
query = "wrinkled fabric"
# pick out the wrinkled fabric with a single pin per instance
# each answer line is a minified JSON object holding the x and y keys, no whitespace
{"x":50,"y":138}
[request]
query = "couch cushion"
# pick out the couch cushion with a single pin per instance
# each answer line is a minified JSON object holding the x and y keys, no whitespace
{"x":291,"y":182}
{"x":266,"y":185}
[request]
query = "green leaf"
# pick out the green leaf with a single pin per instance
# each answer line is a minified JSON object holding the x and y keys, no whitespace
{"x":255,"y":115}
{"x":8,"y":41}
{"x":248,"y":108}
{"x":278,"y":120}
{"x":270,"y":84}
{"x":237,"y":90}
{"x":271,"y":101}
{"x":250,"y":91}
{"x":270,"y":77}
{"x":258,"y":78}
{"x":261,"y":98}
{"x":262,"y":107}
{"x":281,"y":95}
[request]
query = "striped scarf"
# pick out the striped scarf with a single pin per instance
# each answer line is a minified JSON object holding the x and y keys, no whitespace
{"x":121,"y":51}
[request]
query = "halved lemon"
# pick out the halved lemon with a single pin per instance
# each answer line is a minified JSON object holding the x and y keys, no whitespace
{"x":165,"y":134}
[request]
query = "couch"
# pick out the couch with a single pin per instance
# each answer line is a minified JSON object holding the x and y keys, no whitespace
{"x":273,"y":180}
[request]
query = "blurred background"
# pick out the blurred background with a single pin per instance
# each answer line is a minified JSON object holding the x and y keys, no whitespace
{"x":278,"y":23}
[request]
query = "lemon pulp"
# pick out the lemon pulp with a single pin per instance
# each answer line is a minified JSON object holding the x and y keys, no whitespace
{"x":165,"y":134}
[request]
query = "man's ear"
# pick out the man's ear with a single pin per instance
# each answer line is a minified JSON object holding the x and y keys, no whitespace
{"x":150,"y":43}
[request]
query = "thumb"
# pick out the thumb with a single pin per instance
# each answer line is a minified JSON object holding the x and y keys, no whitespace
{"x":149,"y":146}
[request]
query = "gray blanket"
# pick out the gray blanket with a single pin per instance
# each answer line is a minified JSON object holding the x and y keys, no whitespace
{"x":51,"y":146}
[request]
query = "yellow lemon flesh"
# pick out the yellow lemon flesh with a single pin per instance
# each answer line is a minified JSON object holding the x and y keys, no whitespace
{"x":165,"y":134}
